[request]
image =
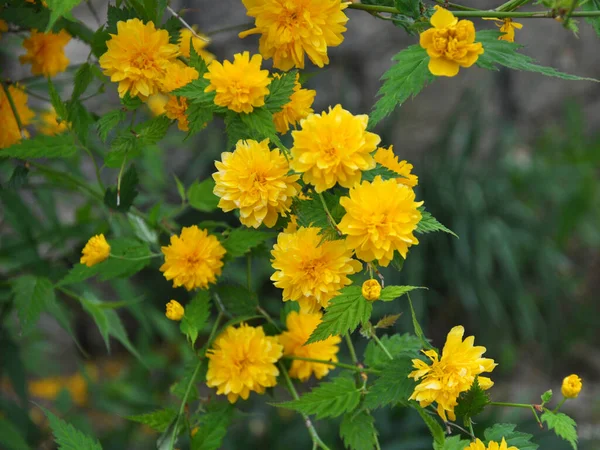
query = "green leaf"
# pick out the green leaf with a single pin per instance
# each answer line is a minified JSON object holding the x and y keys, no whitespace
{"x":80,"y":119}
{"x":592,"y":5}
{"x":403,"y":80}
{"x":563,"y":426}
{"x":393,"y":385}
{"x":328,"y":399}
{"x":280,"y":91}
{"x":57,"y":103}
{"x":213,"y":427}
{"x":157,"y":420}
{"x":436,"y":430}
{"x":416,"y":326}
{"x":131,"y":103}
{"x":241,"y":240}
{"x":200,"y":195}
{"x":237,"y":300}
{"x":93,"y":306}
{"x":117,"y":330}
{"x":108,"y":121}
{"x":58,"y":9}
{"x":513,"y":438}
{"x":311,"y":212}
{"x":123,"y":200}
{"x":390,"y":293}
{"x":380,"y":171}
{"x":387,"y":321}
{"x":18,"y":178}
{"x":141,"y":229}
{"x":116,"y":15}
{"x":198,"y":117}
{"x":505,"y":54}
{"x":472,"y":402}
{"x":343,"y":314}
{"x":11,"y":437}
{"x":236,"y":129}
{"x":398,"y":345}
{"x":197,"y":62}
{"x":13,"y":367}
{"x":358,"y":432}
{"x":83,"y":78}
{"x":453,"y":443}
{"x":428,"y":224}
{"x":59,"y":146}
{"x":69,"y":438}
{"x":411,"y":8}
{"x":194,"y":92}
{"x":260,"y":121}
{"x":196,"y":315}
{"x":180,"y":189}
{"x":32,"y":296}
{"x":547,"y":396}
{"x":79,"y":273}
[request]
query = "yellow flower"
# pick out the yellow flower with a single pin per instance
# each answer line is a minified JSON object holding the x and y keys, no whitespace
{"x":243,"y":360}
{"x":380,"y":217}
{"x":310,"y":270}
{"x":446,"y":378}
{"x":333,"y":148}
{"x":50,"y":387}
{"x":46,"y":52}
{"x":289,"y":29}
{"x":240,"y":86}
{"x":255,"y":180}
{"x":292,"y":225}
{"x":193,"y":259}
{"x":50,"y":125}
{"x":571,"y":386}
{"x":493,"y":445}
{"x":175,"y":109}
{"x":450,"y":44}
{"x":156,"y":103}
{"x":507,"y":27}
{"x":174,"y":310}
{"x":184,"y":45}
{"x":387,"y":158}
{"x":95,"y":251}
{"x":177,"y":75}
{"x":138,"y":57}
{"x":10,"y":129}
{"x":300,"y":326}
{"x":298,"y":108}
{"x":371,"y":290}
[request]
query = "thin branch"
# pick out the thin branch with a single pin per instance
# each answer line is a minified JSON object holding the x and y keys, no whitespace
{"x":185,"y":24}
{"x":12,"y":106}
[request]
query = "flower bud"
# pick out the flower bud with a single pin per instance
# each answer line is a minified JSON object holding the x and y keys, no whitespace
{"x":571,"y":386}
{"x":174,"y":310}
{"x":371,"y":290}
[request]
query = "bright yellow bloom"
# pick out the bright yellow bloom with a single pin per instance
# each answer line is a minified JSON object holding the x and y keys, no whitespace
{"x":380,"y":217}
{"x":138,"y":57}
{"x":243,"y":360}
{"x":310,"y":270}
{"x":175,"y":310}
{"x":387,"y":158}
{"x":255,"y":180}
{"x":177,"y":75}
{"x":175,"y":109}
{"x":50,"y":125}
{"x":95,"y":251}
{"x":371,"y":290}
{"x":193,"y":259}
{"x":478,"y":445}
{"x":10,"y":129}
{"x":292,"y":225}
{"x":289,"y":29}
{"x":333,"y":148}
{"x":156,"y":103}
{"x":571,"y":386}
{"x":199,"y":45}
{"x":50,"y":387}
{"x":300,"y":326}
{"x":46,"y":52}
{"x":450,"y":44}
{"x":507,"y":26}
{"x":240,"y":86}
{"x":446,"y":378}
{"x":298,"y":108}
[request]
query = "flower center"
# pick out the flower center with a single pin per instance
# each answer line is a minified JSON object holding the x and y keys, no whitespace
{"x":144,"y":61}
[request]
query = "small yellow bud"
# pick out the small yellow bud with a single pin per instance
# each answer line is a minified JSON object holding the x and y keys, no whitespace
{"x":371,"y":290}
{"x":571,"y":386}
{"x":174,"y":310}
{"x":194,"y":431}
{"x":95,"y":251}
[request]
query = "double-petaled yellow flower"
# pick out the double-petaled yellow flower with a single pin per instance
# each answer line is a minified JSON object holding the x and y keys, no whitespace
{"x":388,"y":159}
{"x":298,"y":108}
{"x":95,"y":251}
{"x":174,"y":310}
{"x":571,"y":386}
{"x":493,"y":445}
{"x":177,"y":75}
{"x":46,"y":52}
{"x":49,"y":124}
{"x":371,"y":290}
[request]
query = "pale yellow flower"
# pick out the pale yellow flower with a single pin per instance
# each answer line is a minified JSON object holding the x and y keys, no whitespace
{"x":95,"y":251}
{"x":174,"y":310}
{"x":298,"y":108}
{"x":388,"y":159}
{"x":46,"y":52}
{"x":571,"y":386}
{"x":177,"y":75}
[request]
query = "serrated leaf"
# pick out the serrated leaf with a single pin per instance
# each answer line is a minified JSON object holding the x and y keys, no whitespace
{"x":311,"y":212}
{"x":116,"y":15}
{"x":504,"y":53}
{"x":380,"y":171}
{"x":141,"y":229}
{"x":198,"y":117}
{"x":513,"y":438}
{"x":58,"y":9}
{"x":547,"y":396}
{"x":109,"y":121}
{"x":390,"y":293}
{"x":428,"y":224}
{"x":592,"y":5}
{"x":18,"y":178}
{"x":387,"y":321}
{"x":453,"y":443}
{"x":180,"y":189}
{"x":343,"y":314}
{"x":201,"y":197}
{"x":405,"y":79}
{"x":436,"y":430}
{"x":42,"y":146}
{"x":131,"y":103}
{"x":472,"y":402}
{"x":80,"y":119}
{"x":83,"y":78}
{"x":328,"y":399}
{"x":398,"y":345}
{"x":194,"y":92}
{"x":11,"y":437}
{"x":260,"y":121}
{"x":411,"y":8}
{"x":196,"y":61}
{"x":237,"y":300}
{"x":280,"y":91}
{"x":69,"y":438}
{"x":358,"y":432}
{"x":241,"y":240}
{"x":32,"y":295}
{"x":123,"y":200}
{"x":196,"y":315}
{"x":190,"y":377}
{"x":563,"y":426}
{"x":417,"y":326}
{"x":57,"y":103}
{"x":157,"y":420}
{"x":236,"y":129}
{"x":393,"y":385}
{"x":213,"y":427}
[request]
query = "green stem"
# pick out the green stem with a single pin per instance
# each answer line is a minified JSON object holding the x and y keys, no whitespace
{"x":511,"y":5}
{"x":380,"y":344}
{"x":562,"y":402}
{"x":184,"y":401}
{"x":241,"y":26}
{"x":570,"y":12}
{"x":213,"y":332}
{"x":455,"y":6}
{"x":119,"y":181}
{"x":12,"y":106}
{"x":328,"y":213}
{"x":141,"y":258}
{"x":520,"y":405}
{"x":268,"y":318}
{"x":336,"y":364}
{"x":471,"y":429}
{"x":317,"y":442}
{"x":351,"y":348}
